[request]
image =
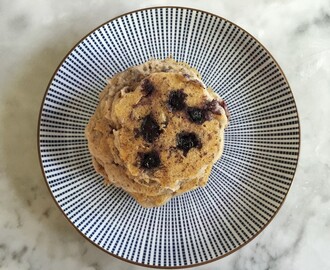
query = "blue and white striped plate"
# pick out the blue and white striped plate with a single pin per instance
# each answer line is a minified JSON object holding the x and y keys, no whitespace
{"x":247,"y":186}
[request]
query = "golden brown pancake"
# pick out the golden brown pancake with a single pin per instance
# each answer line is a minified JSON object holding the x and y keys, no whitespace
{"x":157,"y":131}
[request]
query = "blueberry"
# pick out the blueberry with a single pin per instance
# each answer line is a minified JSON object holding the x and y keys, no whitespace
{"x":197,"y":115}
{"x":149,"y":129}
{"x":187,"y":140}
{"x":224,"y":105}
{"x":149,"y":160}
{"x":147,"y":87}
{"x":176,"y":100}
{"x":213,"y":106}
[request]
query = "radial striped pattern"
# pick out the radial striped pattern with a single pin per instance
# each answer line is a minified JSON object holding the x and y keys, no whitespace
{"x":246,"y":187}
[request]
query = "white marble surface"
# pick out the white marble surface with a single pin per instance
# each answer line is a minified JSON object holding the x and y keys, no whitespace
{"x":36,"y":35}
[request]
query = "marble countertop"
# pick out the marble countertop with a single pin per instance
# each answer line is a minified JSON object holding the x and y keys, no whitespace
{"x":35,"y":37}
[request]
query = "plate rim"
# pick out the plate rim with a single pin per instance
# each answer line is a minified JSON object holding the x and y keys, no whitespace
{"x":67,"y":218}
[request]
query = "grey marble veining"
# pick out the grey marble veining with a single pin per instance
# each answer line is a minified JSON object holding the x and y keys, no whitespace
{"x":34,"y":39}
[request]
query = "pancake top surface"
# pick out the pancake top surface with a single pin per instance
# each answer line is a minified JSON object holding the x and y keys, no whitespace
{"x":166,"y":130}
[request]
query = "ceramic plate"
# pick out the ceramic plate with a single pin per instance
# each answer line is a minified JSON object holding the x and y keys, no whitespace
{"x":246,"y":187}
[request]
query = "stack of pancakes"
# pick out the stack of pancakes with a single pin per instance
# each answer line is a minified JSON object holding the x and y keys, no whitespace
{"x":157,"y":131}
